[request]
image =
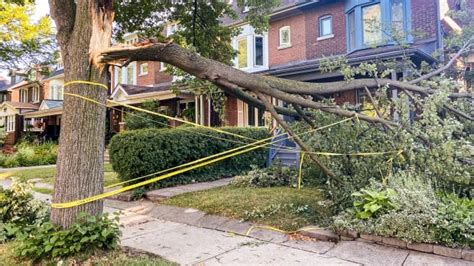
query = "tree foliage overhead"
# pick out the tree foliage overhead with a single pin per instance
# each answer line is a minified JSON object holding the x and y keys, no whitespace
{"x":23,"y":42}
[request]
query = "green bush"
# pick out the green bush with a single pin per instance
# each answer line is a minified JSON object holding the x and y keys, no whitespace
{"x":29,"y":154}
{"x":418,"y":214}
{"x":141,"y":152}
{"x":87,"y":234}
{"x":455,"y":220}
{"x":18,"y":209}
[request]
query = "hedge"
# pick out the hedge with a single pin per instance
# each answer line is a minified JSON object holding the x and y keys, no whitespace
{"x":140,"y":152}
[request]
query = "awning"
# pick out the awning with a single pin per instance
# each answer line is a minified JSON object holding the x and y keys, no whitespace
{"x":43,"y":113}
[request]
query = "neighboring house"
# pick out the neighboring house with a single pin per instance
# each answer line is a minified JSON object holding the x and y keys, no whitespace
{"x":4,"y":93}
{"x":144,"y":81}
{"x":46,"y":121}
{"x":32,"y":104}
{"x":450,"y":25}
{"x":360,"y":30}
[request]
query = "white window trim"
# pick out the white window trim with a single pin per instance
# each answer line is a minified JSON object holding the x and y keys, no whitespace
{"x":162,"y":66}
{"x":142,"y":73}
{"x":10,"y":123}
{"x":320,"y":27}
{"x":281,"y":44}
{"x":36,"y":94}
{"x":24,"y":95}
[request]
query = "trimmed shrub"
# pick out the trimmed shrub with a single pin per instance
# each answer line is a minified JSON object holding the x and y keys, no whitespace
{"x":142,"y":152}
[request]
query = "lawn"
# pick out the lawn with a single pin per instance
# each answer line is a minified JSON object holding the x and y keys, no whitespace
{"x":283,"y":207}
{"x":47,"y":176}
{"x":118,"y":257}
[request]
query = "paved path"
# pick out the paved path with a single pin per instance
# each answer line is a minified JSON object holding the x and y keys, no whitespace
{"x":3,"y":170}
{"x":189,"y":236}
{"x":164,"y":193}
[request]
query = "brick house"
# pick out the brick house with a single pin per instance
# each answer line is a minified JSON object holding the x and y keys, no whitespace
{"x":144,"y":81}
{"x":302,"y":33}
{"x":32,"y":103}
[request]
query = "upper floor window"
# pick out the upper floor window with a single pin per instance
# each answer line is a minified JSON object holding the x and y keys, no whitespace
{"x":258,"y":51}
{"x":143,"y":69}
{"x":56,"y":92}
{"x":325,"y":26}
{"x":372,"y":25}
{"x":36,"y":94}
{"x":398,"y":17}
{"x":285,"y":37}
{"x":23,"y":95}
{"x":242,"y":56}
{"x":377,"y":22}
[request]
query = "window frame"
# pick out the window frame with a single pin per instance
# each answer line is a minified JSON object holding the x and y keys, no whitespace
{"x":243,"y":39}
{"x":10,"y":123}
{"x":355,"y":7}
{"x":36,"y":94}
{"x":381,"y":41}
{"x":143,"y":73}
{"x":255,"y":51}
{"x":24,"y":94}
{"x":331,"y":33}
{"x":281,"y":44}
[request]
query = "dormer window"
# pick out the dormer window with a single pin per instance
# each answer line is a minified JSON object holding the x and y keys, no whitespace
{"x":24,"y":95}
{"x":285,"y":37}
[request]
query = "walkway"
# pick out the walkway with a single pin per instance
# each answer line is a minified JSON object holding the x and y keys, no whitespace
{"x":189,"y":236}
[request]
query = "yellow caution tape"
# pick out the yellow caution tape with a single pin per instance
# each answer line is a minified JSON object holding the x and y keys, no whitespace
{"x":6,"y":175}
{"x":86,"y":82}
{"x":146,"y":182}
{"x":301,"y":169}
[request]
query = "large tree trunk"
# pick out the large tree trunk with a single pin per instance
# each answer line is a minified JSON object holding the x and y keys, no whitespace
{"x":84,"y":28}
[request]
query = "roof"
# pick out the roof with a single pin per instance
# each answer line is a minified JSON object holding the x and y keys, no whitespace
{"x":50,"y":104}
{"x":19,"y":105}
{"x":22,"y":84}
{"x":136,"y":89}
{"x":305,"y":67}
{"x":4,"y":84}
{"x":44,"y":113}
{"x":55,"y":73}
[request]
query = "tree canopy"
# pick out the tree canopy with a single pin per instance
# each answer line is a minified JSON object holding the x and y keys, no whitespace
{"x":24,"y":42}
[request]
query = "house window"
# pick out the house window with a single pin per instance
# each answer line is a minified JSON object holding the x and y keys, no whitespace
{"x":372,"y":23}
{"x":23,"y":95}
{"x":56,"y":92}
{"x":352,"y":30}
{"x":258,"y":51}
{"x":325,"y":26}
{"x":285,"y":37}
{"x":143,"y":69}
{"x":242,"y":57}
{"x":130,"y":74}
{"x":255,"y":116}
{"x":398,"y":16}
{"x":36,"y":94}
{"x":10,"y":123}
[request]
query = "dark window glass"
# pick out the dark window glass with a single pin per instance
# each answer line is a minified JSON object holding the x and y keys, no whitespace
{"x":258,"y":51}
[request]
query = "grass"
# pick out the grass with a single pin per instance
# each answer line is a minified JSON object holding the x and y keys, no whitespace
{"x":283,"y":207}
{"x":102,"y":258}
{"x":47,"y":174}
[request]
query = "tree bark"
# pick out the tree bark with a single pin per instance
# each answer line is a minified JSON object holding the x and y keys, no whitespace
{"x":84,"y":28}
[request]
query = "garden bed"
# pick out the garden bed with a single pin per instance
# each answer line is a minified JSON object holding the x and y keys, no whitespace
{"x":28,"y":154}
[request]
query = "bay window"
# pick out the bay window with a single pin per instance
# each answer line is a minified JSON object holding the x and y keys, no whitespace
{"x":372,"y":25}
{"x":377,"y":22}
{"x":252,"y":50}
{"x":242,"y":49}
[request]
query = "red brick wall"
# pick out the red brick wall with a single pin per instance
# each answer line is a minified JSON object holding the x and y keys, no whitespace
{"x":231,"y":111}
{"x":297,"y":51}
{"x":345,"y":97}
{"x":424,"y":15}
{"x":327,"y":47}
{"x":154,"y":75}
